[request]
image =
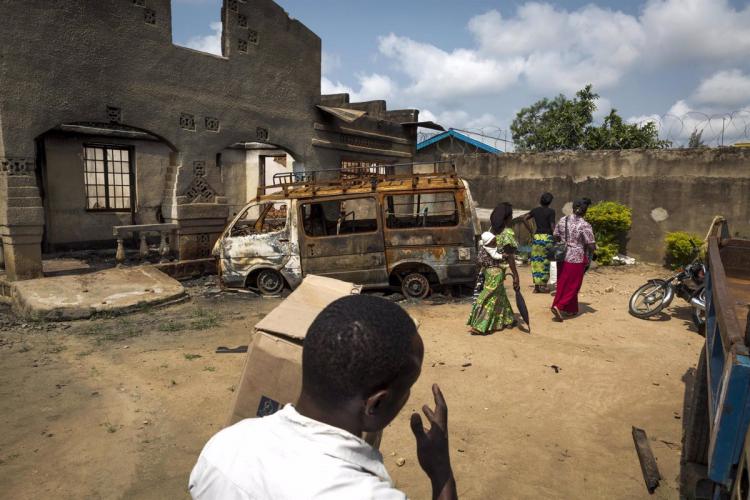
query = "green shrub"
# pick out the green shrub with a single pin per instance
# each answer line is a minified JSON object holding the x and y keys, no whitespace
{"x":610,"y":217}
{"x":610,"y":221}
{"x":606,"y":252}
{"x":680,"y":250}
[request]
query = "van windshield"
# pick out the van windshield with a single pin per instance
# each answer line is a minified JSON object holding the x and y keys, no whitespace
{"x":260,"y":218}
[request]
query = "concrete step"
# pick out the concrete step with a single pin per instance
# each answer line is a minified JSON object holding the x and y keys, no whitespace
{"x":80,"y":296}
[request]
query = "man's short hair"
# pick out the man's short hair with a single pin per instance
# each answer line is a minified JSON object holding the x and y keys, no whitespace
{"x":546,"y":199}
{"x":358,"y":344}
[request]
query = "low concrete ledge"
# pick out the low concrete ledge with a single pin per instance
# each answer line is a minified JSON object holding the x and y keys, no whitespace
{"x":114,"y":290}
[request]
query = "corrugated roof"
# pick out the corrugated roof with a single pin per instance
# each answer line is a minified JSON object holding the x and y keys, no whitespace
{"x":461,"y":137}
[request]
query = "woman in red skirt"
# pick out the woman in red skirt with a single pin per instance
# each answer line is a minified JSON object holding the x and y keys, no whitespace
{"x":579,"y":240}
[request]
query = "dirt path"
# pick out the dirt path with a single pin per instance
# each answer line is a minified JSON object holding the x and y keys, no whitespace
{"x":120,"y":407}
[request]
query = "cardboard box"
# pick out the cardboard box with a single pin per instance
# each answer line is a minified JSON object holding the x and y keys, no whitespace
{"x":272,"y":375}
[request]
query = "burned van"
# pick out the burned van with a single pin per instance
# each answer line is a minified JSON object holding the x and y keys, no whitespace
{"x":407,"y":232}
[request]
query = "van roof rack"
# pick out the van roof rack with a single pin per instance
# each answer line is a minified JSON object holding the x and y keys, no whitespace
{"x":309,"y":182}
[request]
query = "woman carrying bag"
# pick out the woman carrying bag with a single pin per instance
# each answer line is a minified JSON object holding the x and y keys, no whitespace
{"x":576,"y":240}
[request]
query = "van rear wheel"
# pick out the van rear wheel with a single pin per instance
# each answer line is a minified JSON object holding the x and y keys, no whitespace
{"x":270,"y":282}
{"x":415,"y":286}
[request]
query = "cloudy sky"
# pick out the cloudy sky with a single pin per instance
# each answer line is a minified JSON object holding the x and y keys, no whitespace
{"x":473,"y":64}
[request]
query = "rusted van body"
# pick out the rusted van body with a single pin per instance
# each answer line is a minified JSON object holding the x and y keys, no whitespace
{"x":412,"y":232}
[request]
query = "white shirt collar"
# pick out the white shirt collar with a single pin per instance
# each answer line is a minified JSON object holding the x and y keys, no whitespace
{"x":336,"y":442}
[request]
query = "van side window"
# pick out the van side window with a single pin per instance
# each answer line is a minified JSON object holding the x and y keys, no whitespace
{"x":340,"y":217}
{"x":421,"y":210}
{"x":259,"y":219}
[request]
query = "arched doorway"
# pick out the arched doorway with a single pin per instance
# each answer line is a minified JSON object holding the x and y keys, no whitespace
{"x":246,"y":166}
{"x":94,"y":176}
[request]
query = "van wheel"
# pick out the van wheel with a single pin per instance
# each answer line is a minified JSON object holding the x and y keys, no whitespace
{"x":415,"y":286}
{"x":270,"y":282}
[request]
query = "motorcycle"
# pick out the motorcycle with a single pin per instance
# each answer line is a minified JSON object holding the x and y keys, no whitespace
{"x":688,"y":284}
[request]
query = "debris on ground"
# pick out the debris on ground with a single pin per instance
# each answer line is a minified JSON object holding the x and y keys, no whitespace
{"x":231,"y":350}
{"x":623,"y":260}
{"x":646,"y":457}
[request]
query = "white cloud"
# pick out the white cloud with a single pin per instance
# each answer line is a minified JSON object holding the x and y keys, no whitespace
{"x":329,"y":62}
{"x":437,"y":74}
{"x":695,"y":30}
{"x":562,"y":50}
{"x":719,"y":106}
{"x":603,"y":107}
{"x":486,"y":123}
{"x":371,"y":87}
{"x":558,"y":50}
{"x":209,"y":43}
{"x":329,"y":87}
{"x":725,"y":89}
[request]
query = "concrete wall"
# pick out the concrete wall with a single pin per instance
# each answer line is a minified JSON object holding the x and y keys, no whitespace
{"x":234,"y":177}
{"x":668,"y":190}
{"x":381,"y":136}
{"x":66,"y":219}
{"x":112,"y":63}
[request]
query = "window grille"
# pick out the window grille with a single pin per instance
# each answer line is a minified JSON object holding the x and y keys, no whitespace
{"x":108,"y":178}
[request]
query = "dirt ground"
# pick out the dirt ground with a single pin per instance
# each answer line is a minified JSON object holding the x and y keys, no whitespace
{"x":120,"y":407}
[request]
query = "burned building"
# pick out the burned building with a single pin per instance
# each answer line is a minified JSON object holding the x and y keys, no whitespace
{"x":105,"y":122}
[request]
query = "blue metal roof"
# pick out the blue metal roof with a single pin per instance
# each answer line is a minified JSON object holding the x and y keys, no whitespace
{"x":460,"y":137}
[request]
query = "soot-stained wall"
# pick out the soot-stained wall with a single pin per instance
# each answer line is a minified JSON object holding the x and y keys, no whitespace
{"x":668,"y":190}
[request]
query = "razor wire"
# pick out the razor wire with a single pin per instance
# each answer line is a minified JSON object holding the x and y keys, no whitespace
{"x":717,"y":130}
{"x":720,"y":129}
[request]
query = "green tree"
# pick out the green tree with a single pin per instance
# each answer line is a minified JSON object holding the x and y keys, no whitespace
{"x":696,"y":139}
{"x":565,"y":124}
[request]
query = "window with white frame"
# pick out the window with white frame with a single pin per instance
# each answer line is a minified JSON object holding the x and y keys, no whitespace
{"x":108,"y":177}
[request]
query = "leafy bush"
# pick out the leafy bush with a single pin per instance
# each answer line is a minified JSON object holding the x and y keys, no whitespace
{"x":680,"y":250}
{"x":610,"y":217}
{"x":610,"y":221}
{"x":606,"y":252}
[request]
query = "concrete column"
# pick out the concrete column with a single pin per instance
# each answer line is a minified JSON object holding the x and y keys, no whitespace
{"x":194,"y":201}
{"x":21,"y":218}
{"x":23,"y":256}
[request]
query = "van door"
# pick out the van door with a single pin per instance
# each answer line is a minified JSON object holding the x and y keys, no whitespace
{"x":431,"y":228}
{"x":258,"y":237}
{"x":343,"y":238}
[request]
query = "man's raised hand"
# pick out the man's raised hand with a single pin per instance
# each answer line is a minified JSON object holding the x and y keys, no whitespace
{"x":432,"y":447}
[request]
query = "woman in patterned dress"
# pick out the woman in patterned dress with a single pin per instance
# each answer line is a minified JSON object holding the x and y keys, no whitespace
{"x":492,"y":310}
{"x":542,"y":242}
{"x":579,"y":240}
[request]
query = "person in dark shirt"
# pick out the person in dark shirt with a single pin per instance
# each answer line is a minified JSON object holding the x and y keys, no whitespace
{"x":544,"y":221}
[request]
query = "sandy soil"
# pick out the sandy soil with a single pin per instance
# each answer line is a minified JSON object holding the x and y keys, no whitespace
{"x":120,"y":407}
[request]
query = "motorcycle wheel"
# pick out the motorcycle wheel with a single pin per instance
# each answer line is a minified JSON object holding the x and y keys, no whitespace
{"x":698,"y":315}
{"x":649,"y":299}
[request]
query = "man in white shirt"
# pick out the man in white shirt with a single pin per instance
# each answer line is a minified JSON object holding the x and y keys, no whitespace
{"x":360,"y":358}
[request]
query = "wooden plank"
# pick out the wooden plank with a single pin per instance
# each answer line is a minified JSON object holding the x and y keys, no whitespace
{"x":646,"y":458}
{"x":731,"y":335}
